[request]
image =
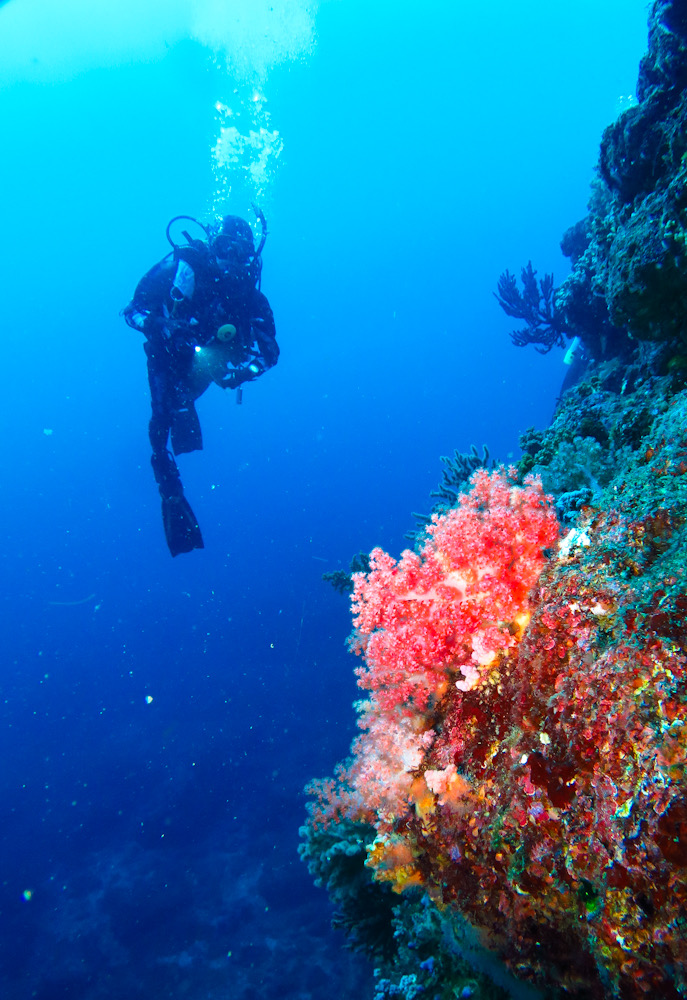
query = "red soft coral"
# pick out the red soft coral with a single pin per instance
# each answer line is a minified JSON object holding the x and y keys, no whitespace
{"x":438,"y":619}
{"x":451,"y":609}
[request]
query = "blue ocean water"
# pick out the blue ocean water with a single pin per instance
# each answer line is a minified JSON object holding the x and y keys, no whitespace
{"x":160,"y":717}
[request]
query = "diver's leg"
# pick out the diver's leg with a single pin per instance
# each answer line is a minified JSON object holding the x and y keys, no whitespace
{"x":172,"y":396}
{"x":186,"y":433}
{"x":179,"y":521}
{"x":164,"y":467}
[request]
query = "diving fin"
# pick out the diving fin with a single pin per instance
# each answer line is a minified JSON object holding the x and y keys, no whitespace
{"x":180,"y":524}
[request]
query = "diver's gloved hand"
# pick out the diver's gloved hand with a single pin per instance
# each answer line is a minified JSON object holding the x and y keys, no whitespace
{"x":232,"y":381}
{"x":181,"y":333}
{"x":236,"y":378}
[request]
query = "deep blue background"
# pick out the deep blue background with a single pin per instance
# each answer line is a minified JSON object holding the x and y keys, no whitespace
{"x":427,"y":148}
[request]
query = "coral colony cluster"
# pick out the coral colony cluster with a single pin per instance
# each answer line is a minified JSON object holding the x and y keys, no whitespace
{"x":522,"y":754}
{"x":513,"y":815}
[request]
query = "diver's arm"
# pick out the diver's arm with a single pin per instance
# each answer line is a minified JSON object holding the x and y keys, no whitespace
{"x":149,"y":309}
{"x":265,"y":352}
{"x":264,"y":333}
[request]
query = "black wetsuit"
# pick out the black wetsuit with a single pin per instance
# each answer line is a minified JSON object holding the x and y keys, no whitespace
{"x":180,"y":305}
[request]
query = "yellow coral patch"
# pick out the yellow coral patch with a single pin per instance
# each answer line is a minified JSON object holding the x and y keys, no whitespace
{"x":392,"y":860}
{"x":424,"y":801}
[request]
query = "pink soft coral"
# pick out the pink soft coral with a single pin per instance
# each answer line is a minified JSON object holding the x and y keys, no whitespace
{"x":449,"y":611}
{"x":434,"y":620}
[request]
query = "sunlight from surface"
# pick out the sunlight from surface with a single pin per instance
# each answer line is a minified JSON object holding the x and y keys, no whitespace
{"x":44,"y":43}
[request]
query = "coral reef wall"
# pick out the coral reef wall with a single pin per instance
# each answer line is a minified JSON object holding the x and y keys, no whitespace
{"x":630,"y":272}
{"x":521,"y":773}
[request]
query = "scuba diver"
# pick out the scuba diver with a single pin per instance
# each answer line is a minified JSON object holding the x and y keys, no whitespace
{"x":205,"y":320}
